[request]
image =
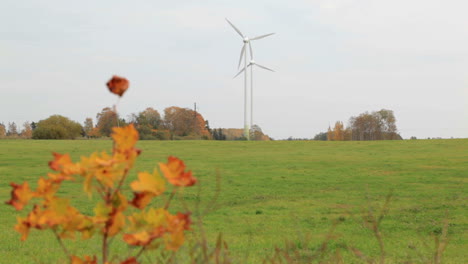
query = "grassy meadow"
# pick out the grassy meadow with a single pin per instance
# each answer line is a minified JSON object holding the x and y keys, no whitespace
{"x":276,"y":191}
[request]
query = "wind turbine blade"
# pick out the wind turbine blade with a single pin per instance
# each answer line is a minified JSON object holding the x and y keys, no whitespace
{"x":263,"y":67}
{"x":234,"y":27}
{"x":241,"y":55}
{"x":239,"y":73}
{"x":251,"y":51}
{"x":262,"y":36}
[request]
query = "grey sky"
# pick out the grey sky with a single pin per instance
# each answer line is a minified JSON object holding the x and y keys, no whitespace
{"x":333,"y":59}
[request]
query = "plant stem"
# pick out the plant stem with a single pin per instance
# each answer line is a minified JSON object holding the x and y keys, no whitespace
{"x":124,"y":176}
{"x":65,"y":250}
{"x":170,"y":198}
{"x":104,"y":248}
{"x":140,"y":252}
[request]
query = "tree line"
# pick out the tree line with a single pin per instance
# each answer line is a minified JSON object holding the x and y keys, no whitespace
{"x":377,"y":125}
{"x":176,"y":123}
{"x":12,"y":131}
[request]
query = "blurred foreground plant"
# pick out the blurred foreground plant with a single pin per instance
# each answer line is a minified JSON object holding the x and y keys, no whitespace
{"x":104,"y":174}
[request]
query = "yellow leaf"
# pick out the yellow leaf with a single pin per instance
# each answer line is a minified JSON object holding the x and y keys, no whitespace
{"x":116,"y":223}
{"x":152,"y":183}
{"x":101,"y":212}
{"x":22,"y":227}
{"x":125,"y":137}
{"x":138,"y":239}
{"x":46,"y":188}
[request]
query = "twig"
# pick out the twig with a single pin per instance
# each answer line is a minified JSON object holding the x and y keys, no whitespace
{"x":65,"y":250}
{"x":174,"y":190}
{"x":104,"y":248}
{"x":140,"y":252}
{"x":124,"y":176}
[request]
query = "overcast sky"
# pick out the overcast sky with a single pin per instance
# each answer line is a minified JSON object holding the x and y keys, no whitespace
{"x":333,"y":59}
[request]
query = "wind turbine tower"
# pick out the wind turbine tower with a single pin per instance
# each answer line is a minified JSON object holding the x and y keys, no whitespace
{"x":243,"y":53}
{"x":251,"y":64}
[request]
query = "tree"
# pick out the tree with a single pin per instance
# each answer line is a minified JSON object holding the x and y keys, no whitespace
{"x":321,"y":136}
{"x":12,"y":129}
{"x":207,"y":127}
{"x":57,"y":127}
{"x":338,"y":131}
{"x":88,"y":126}
{"x":378,"y":125}
{"x":183,"y":122}
{"x":147,"y":123}
{"x":2,"y":131}
{"x":256,"y":133}
{"x":330,"y":134}
{"x":27,"y":130}
{"x":348,"y":134}
{"x":217,"y":134}
{"x":387,"y":122}
{"x":107,"y":119}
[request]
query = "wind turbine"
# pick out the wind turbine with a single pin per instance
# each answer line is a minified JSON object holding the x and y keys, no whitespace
{"x":251,"y":64}
{"x":243,"y":53}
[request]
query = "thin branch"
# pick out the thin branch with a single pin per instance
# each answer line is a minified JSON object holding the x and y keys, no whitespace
{"x":140,"y":252}
{"x":65,"y":250}
{"x":124,"y":176}
{"x":104,"y":248}
{"x":168,"y":202}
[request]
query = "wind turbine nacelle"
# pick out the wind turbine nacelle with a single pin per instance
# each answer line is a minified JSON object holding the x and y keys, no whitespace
{"x":246,"y":40}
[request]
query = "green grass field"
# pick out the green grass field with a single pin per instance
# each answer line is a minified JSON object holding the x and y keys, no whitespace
{"x":273,"y":191}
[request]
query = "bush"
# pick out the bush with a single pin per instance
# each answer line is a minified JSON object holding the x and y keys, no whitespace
{"x":57,"y":127}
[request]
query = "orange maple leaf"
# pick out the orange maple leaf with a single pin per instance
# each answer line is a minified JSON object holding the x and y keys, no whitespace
{"x":177,"y":224}
{"x":131,"y":260}
{"x":125,"y":137}
{"x":85,"y":260}
{"x":46,"y":187}
{"x":31,"y":221}
{"x":146,"y":187}
{"x":63,"y":163}
{"x":140,"y":200}
{"x":117,"y":85}
{"x":115,"y":223}
{"x":175,"y":174}
{"x":20,"y":195}
{"x":138,"y":239}
{"x":152,"y":183}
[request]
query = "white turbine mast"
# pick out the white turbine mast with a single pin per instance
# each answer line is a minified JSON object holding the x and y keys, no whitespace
{"x":243,"y":53}
{"x":251,"y":64}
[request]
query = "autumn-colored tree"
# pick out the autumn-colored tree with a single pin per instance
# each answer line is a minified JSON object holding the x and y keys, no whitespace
{"x":147,"y":123}
{"x":330,"y":134}
{"x":27,"y":130}
{"x":256,"y":133}
{"x":12,"y":129}
{"x":348,"y":134}
{"x":94,"y":133}
{"x":57,"y":127}
{"x":106,"y":120}
{"x":2,"y":131}
{"x":88,"y":126}
{"x":378,"y":125}
{"x":183,"y":122}
{"x":338,"y":131}
{"x":387,"y":123}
